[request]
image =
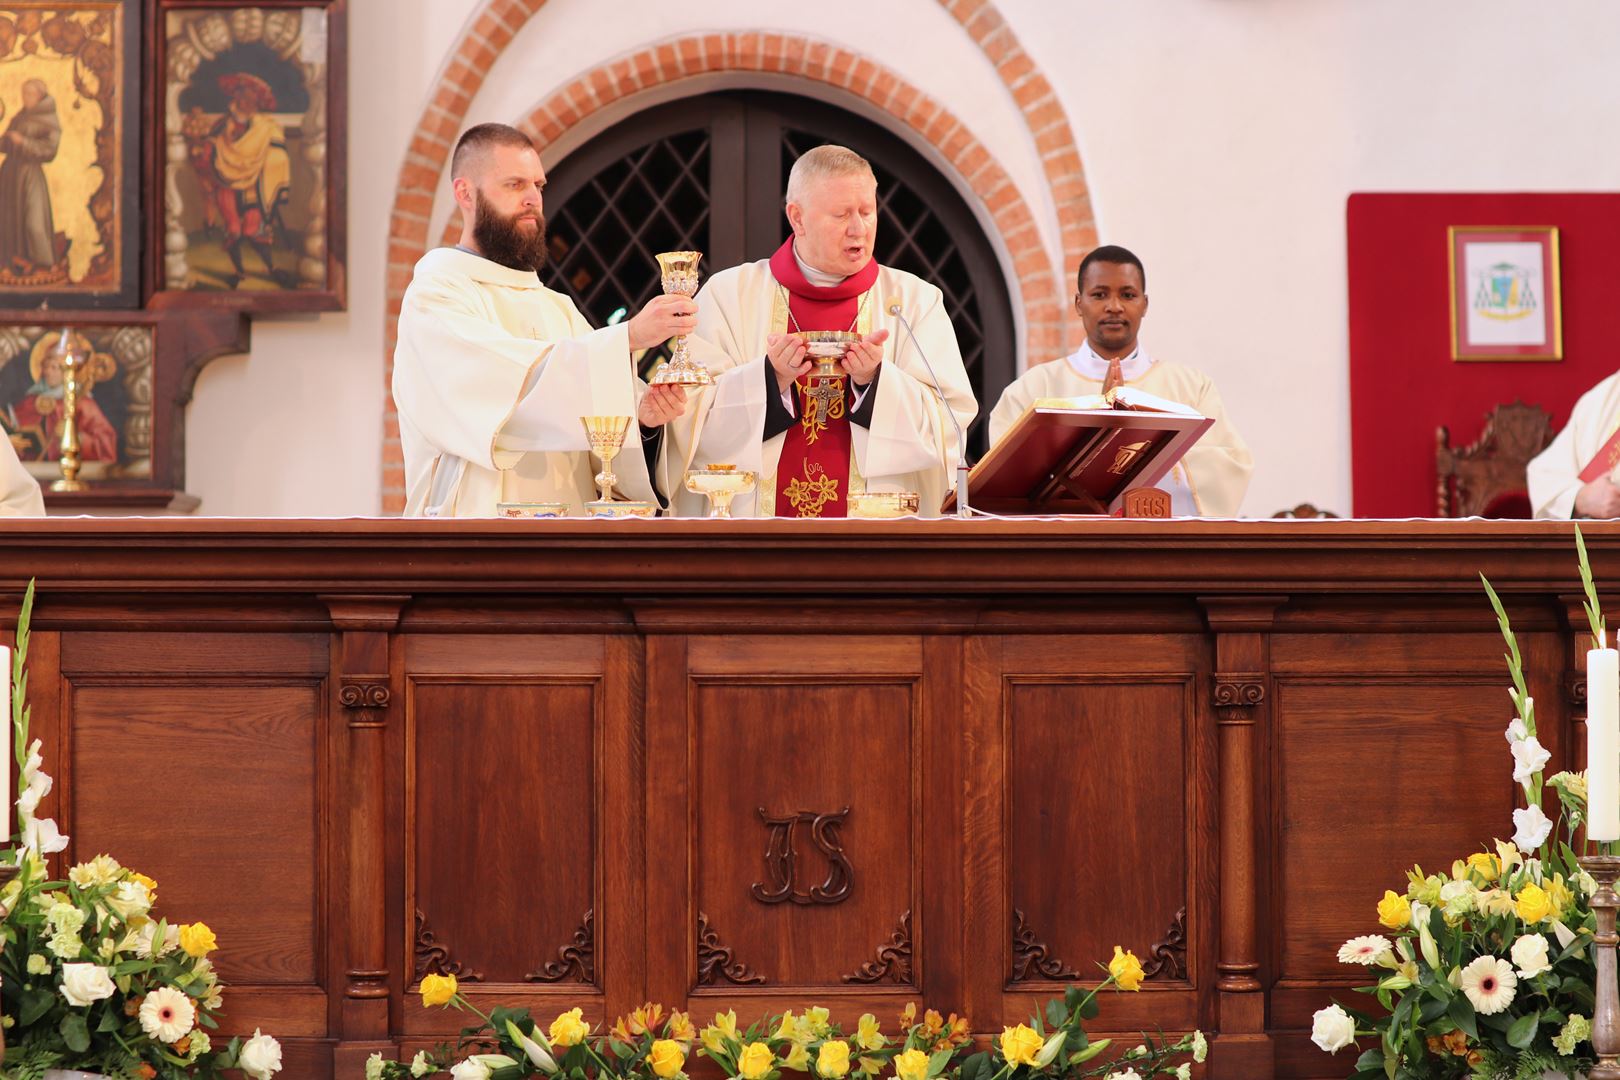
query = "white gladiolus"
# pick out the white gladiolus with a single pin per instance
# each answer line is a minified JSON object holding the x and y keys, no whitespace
{"x":1530,"y":827}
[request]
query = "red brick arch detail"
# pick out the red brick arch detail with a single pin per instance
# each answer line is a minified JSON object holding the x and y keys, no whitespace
{"x":498,"y":21}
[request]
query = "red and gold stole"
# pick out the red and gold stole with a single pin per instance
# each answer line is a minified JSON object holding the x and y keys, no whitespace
{"x":812,"y":475}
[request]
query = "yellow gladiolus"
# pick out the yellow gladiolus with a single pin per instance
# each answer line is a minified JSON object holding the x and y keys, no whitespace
{"x":437,"y":990}
{"x":1019,"y":1045}
{"x":784,"y":1030}
{"x":1394,"y":911}
{"x":1534,"y":904}
{"x":1126,"y":969}
{"x":570,"y":1028}
{"x":755,"y":1061}
{"x":667,"y":1058}
{"x":832,"y":1060}
{"x":911,"y":1065}
{"x":868,"y":1035}
{"x":197,"y":940}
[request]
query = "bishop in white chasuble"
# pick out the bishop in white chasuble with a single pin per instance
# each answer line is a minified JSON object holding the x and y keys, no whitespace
{"x":1554,"y":476}
{"x":811,"y":445}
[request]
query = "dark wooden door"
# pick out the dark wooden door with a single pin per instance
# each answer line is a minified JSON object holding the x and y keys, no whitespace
{"x":708,"y":172}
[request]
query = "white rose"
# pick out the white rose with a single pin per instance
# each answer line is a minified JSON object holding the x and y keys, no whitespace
{"x":85,"y":983}
{"x":1530,"y":955}
{"x":260,"y":1057}
{"x":1332,"y":1029}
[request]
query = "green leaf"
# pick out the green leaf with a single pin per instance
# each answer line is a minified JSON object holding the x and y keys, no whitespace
{"x":1461,"y":1012}
{"x":1371,"y":1060}
{"x":939,"y":1059}
{"x":74,"y":1032}
{"x":1088,"y":1007}
{"x":1056,"y":1013}
{"x":35,"y":1004}
{"x":1432,"y":1009}
{"x":1523,"y":1031}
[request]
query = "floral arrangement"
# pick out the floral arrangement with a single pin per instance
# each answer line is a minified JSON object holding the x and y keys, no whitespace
{"x":650,"y":1045}
{"x":94,"y":979}
{"x":1486,"y":971}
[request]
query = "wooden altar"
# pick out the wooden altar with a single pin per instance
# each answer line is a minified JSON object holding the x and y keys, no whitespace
{"x":754,"y":764}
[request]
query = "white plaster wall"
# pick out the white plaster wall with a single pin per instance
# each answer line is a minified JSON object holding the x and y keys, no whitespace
{"x":1220,"y":138}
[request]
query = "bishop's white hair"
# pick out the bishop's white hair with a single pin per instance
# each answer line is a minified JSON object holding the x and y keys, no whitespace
{"x":820,"y":163}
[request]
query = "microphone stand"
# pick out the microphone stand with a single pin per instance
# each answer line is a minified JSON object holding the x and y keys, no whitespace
{"x":963,"y":510}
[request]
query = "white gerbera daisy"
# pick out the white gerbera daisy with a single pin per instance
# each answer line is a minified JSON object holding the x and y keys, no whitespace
{"x":167,"y":1014}
{"x":1366,"y":951}
{"x":1489,"y":983}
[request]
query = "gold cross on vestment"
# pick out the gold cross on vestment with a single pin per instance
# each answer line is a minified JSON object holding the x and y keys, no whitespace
{"x":822,"y":400}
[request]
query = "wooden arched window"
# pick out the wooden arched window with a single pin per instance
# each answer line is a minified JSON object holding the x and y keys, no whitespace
{"x":708,"y":173}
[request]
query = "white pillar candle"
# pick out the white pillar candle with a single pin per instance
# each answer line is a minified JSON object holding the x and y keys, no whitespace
{"x":1603,"y":745}
{"x":10,"y":769}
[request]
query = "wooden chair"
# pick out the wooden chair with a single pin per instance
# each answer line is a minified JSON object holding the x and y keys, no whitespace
{"x":1487,"y":478}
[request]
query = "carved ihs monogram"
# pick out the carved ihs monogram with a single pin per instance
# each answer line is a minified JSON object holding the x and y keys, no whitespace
{"x":784,"y":866}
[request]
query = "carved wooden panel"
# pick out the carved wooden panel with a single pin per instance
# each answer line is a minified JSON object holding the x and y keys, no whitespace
{"x":779,"y":819}
{"x":1071,"y":745}
{"x":503,"y":790}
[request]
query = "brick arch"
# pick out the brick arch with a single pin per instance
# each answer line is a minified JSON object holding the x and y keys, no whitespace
{"x":498,"y":22}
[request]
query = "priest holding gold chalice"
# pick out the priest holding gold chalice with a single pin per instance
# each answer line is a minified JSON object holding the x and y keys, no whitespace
{"x":821,"y":357}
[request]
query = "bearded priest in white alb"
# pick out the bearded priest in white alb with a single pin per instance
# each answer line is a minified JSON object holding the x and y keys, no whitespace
{"x":493,"y":370}
{"x":813,"y":441}
{"x":1211,"y":478}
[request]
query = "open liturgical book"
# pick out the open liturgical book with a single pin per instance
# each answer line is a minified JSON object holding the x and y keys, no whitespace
{"x":1081,"y":455}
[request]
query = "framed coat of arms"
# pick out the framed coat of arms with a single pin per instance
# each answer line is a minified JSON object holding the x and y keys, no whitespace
{"x":251,"y":151}
{"x":69,"y":154}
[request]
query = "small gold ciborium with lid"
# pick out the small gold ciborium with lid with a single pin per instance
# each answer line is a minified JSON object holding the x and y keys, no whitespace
{"x":720,"y":484}
{"x":606,"y":435}
{"x":826,"y":348}
{"x":678,"y":273}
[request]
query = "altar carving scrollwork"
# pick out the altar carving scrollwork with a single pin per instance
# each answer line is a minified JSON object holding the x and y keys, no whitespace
{"x":893,"y":960}
{"x":1169,"y":957}
{"x":363,"y":693}
{"x":715,"y":960}
{"x":433,"y":955}
{"x":577,"y":958}
{"x":1032,"y":958}
{"x":1243,"y":691}
{"x":782,"y":859}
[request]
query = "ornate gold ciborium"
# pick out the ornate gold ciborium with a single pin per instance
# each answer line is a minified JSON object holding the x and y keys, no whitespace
{"x":678,"y":271}
{"x":73,"y":365}
{"x":883,"y":504}
{"x":719,"y":484}
{"x":606,"y":435}
{"x":826,"y":348}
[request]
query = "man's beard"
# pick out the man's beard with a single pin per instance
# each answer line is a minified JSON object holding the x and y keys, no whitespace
{"x":502,"y":240}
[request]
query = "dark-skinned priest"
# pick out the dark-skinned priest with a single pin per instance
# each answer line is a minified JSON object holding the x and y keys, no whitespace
{"x":1211,"y":478}
{"x":813,"y":440}
{"x":493,"y":370}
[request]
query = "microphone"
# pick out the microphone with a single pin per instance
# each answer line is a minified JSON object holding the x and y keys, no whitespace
{"x":962,"y":508}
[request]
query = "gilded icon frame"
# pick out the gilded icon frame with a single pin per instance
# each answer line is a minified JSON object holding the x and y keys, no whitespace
{"x":1474,"y":335}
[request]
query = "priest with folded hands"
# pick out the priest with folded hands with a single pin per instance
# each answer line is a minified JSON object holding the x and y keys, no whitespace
{"x":812,"y":440}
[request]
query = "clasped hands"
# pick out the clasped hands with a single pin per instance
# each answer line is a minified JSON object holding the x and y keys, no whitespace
{"x":1599,"y":498}
{"x":788,"y":355}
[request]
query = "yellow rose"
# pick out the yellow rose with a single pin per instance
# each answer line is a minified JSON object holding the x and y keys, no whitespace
{"x":798,"y":1058}
{"x":570,"y":1028}
{"x":755,"y":1061}
{"x":911,"y":1065}
{"x":667,"y":1059}
{"x":832,"y":1060}
{"x":1126,"y":969}
{"x":197,"y":940}
{"x":1394,"y":910}
{"x":437,"y":990}
{"x":1019,"y":1045}
{"x":868,"y":1035}
{"x":1484,"y":864}
{"x":1534,"y":904}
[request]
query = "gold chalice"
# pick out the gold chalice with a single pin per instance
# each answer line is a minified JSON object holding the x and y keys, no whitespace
{"x":883,"y":504}
{"x":606,"y":436}
{"x":826,"y":348}
{"x":678,"y":272}
{"x":720,"y":484}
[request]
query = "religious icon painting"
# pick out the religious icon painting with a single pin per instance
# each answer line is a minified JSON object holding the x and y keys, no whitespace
{"x":1505,"y":302}
{"x":69,"y":154}
{"x":253,"y":155}
{"x":113,"y":413}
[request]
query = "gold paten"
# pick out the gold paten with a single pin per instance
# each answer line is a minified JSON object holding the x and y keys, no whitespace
{"x":720,"y":484}
{"x":883,"y":504}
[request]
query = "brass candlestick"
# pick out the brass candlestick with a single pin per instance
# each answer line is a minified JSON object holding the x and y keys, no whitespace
{"x":72,"y":372}
{"x":1606,"y":1013}
{"x":678,"y":273}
